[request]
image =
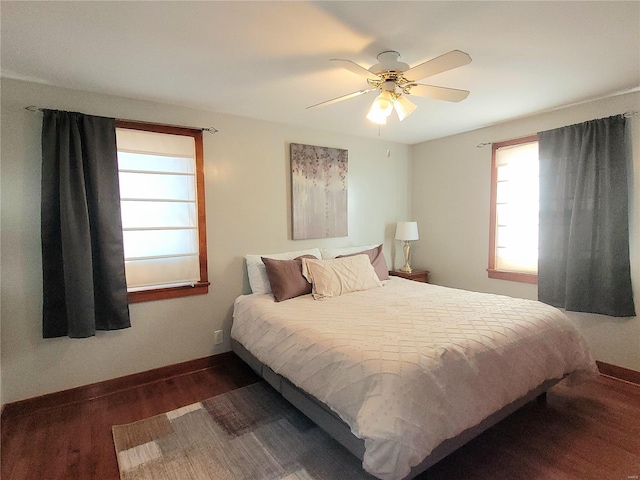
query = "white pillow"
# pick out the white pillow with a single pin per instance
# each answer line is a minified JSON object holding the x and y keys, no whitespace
{"x":334,"y":252}
{"x":337,"y":276}
{"x":258,"y":279}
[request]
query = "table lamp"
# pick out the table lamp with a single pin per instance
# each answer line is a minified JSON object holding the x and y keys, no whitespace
{"x":406,"y":231}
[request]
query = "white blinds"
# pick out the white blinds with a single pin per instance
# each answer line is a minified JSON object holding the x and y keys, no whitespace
{"x":159,"y":211}
{"x":517,"y":208}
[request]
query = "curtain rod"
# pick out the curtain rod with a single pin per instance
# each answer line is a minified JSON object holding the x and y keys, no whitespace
{"x":33,"y":108}
{"x":627,"y":114}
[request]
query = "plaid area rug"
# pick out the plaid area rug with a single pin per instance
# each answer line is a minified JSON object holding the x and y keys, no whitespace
{"x":250,"y":433}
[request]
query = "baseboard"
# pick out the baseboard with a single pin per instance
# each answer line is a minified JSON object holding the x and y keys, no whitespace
{"x":108,"y":387}
{"x":620,"y":373}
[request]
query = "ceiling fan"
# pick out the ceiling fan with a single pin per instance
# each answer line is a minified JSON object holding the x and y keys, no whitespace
{"x":395,"y":80}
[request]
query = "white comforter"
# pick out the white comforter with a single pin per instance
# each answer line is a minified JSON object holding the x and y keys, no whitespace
{"x":408,"y":365}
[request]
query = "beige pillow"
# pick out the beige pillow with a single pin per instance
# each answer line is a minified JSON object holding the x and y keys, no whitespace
{"x":337,"y":276}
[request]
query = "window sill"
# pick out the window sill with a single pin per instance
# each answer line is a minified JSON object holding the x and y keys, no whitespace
{"x":513,"y":276}
{"x":200,"y":288}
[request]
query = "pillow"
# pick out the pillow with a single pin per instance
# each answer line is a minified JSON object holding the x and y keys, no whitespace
{"x":337,"y":276}
{"x":285,"y":277}
{"x":377,"y":260}
{"x":334,"y":252}
{"x":258,"y":275}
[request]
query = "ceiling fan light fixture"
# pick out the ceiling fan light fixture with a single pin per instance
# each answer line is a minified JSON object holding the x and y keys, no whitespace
{"x":384,"y":102}
{"x":404,"y":107}
{"x":375,"y":117}
{"x":381,"y":108}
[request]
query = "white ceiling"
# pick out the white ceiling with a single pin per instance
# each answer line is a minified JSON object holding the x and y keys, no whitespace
{"x":269,"y":60}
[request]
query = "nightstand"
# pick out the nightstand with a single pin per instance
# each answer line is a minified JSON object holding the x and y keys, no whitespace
{"x":415,"y":275}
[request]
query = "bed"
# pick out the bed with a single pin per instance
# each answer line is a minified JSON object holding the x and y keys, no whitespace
{"x":403,"y":373}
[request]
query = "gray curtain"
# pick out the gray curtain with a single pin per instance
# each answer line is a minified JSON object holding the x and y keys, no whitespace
{"x":84,"y":285}
{"x":583,"y":263}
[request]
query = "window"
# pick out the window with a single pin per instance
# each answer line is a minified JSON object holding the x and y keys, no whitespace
{"x":161,"y":172}
{"x":513,"y":242}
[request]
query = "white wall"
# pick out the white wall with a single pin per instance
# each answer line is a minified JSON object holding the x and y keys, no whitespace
{"x":450,"y":200}
{"x":248,"y":211}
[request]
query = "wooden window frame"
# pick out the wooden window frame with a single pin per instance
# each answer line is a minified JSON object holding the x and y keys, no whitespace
{"x":491,"y":270}
{"x":201,"y":287}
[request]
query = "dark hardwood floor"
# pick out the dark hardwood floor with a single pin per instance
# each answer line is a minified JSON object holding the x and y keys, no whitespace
{"x":75,"y":441}
{"x":589,"y":431}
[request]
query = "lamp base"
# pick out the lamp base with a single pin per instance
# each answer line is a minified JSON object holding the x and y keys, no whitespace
{"x":407,"y":267}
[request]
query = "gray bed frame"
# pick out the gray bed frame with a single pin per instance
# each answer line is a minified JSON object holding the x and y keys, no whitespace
{"x":326,"y":419}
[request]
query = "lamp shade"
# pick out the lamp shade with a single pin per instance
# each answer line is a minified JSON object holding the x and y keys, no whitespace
{"x":407,"y":231}
{"x":381,"y":108}
{"x":376,"y":116}
{"x":404,"y":106}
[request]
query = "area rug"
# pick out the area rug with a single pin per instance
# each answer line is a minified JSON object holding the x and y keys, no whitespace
{"x":248,"y":433}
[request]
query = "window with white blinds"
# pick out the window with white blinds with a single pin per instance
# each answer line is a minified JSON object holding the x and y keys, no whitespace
{"x":515,"y":208}
{"x":159,"y":204}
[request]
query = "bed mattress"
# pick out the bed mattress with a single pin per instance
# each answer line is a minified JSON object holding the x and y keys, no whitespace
{"x":409,"y":365}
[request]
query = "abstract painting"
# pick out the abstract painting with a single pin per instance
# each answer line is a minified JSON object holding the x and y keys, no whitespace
{"x":318,"y":191}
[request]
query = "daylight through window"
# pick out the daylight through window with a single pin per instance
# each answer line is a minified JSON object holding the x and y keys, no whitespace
{"x":162,"y":212}
{"x":514,"y":217}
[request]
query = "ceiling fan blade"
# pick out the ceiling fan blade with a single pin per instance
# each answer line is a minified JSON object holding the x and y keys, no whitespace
{"x":448,"y":61}
{"x":343,"y":97}
{"x":355,"y":68}
{"x":439,"y":93}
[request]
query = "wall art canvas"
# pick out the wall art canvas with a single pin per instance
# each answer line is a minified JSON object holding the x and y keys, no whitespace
{"x":318,"y":191}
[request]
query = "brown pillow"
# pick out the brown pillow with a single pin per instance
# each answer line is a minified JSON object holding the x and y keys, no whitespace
{"x":377,"y":260}
{"x":285,"y":277}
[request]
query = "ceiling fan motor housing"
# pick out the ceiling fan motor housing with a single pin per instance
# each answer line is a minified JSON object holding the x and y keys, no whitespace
{"x":389,"y":62}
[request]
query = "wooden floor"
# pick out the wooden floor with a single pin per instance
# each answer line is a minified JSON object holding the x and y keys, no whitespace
{"x":591,"y":431}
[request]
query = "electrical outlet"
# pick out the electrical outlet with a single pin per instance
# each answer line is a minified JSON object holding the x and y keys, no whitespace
{"x":219,"y":337}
